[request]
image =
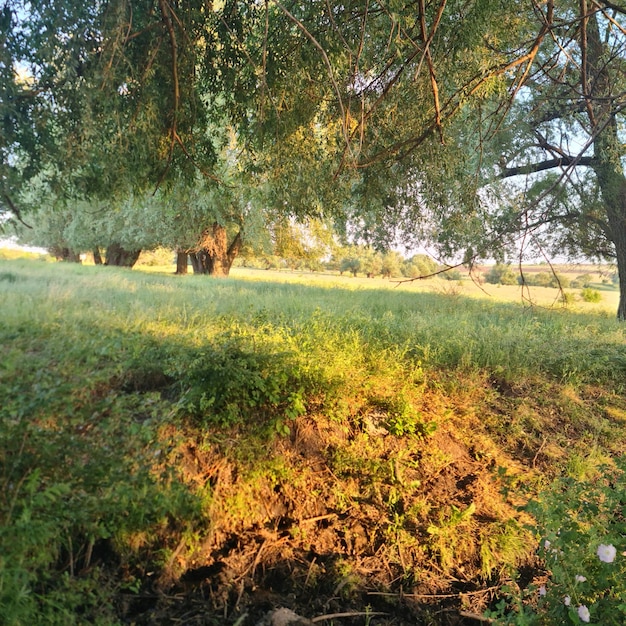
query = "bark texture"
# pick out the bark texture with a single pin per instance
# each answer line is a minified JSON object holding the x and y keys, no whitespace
{"x":121,"y":257}
{"x":213,"y":255}
{"x":182,"y":258}
{"x":597,"y":85}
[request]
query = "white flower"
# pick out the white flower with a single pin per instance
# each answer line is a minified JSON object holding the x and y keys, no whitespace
{"x":606,"y":553}
{"x":542,"y":590}
{"x":579,"y":579}
{"x":583,"y":613}
{"x":567,"y":600}
{"x":546,"y":544}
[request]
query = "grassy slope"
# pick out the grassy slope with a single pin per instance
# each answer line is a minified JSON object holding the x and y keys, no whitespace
{"x":249,"y":442}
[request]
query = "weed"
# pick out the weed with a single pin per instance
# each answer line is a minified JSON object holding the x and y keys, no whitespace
{"x":140,"y":413}
{"x":590,"y":295}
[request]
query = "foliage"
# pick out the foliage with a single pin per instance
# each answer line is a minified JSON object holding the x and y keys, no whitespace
{"x":67,"y":502}
{"x":419,"y":265}
{"x":233,"y":383}
{"x":400,"y":125}
{"x":591,"y":295}
{"x":501,"y":274}
{"x":581,"y":528}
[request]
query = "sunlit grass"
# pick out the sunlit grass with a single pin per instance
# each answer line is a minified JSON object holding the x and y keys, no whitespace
{"x":121,"y":373}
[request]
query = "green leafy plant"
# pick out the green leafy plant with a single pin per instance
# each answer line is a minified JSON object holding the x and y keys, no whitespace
{"x":230,"y":383}
{"x":581,"y":527}
{"x":590,"y":295}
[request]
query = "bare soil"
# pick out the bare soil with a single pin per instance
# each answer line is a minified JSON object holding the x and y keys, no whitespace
{"x":348,"y":525}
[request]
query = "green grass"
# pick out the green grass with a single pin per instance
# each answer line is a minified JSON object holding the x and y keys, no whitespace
{"x":113,"y":382}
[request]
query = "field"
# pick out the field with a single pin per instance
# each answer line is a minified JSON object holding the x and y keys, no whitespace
{"x":197,"y":451}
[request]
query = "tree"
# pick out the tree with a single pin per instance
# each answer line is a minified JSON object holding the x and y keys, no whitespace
{"x":501,"y":274}
{"x":419,"y":265}
{"x":391,"y":117}
{"x":565,"y":137}
{"x":391,"y":264}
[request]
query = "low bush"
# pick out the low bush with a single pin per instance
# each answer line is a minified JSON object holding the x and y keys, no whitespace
{"x":229,"y":383}
{"x":591,"y":295}
{"x":581,"y":529}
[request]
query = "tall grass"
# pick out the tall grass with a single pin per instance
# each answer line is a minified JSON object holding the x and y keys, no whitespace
{"x":440,"y":331}
{"x":95,"y":360}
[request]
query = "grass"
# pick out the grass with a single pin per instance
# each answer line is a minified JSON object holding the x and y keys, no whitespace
{"x":203,"y":436}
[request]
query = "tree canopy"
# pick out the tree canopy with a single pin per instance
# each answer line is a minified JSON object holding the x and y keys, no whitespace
{"x":398,"y":119}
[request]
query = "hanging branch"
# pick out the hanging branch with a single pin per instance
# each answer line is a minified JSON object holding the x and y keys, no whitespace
{"x":166,"y":13}
{"x":429,"y":60}
{"x":13,"y":208}
{"x":329,"y":67}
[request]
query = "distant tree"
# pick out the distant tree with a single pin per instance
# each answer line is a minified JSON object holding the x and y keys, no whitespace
{"x":350,"y":264}
{"x":584,"y":280}
{"x":371,"y":261}
{"x":545,"y":279}
{"x":419,"y":265}
{"x":391,"y":264}
{"x":501,"y":274}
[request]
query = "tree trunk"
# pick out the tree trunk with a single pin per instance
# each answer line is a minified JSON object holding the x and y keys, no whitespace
{"x":213,"y":255}
{"x":607,"y":149}
{"x":620,"y":249}
{"x":62,"y":253}
{"x":120,"y":257}
{"x":182,"y":258}
{"x":97,"y":257}
{"x":195,"y":263}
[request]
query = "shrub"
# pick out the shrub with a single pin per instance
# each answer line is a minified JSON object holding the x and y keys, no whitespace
{"x":501,"y":274}
{"x":584,"y":280}
{"x":229,"y":383}
{"x":581,"y":530}
{"x":591,"y":295}
{"x":546,"y":279}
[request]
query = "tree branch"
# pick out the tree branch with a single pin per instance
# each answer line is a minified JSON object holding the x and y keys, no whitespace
{"x":14,"y":209}
{"x":548,"y":164}
{"x":329,"y":67}
{"x":612,"y":6}
{"x":427,"y":39}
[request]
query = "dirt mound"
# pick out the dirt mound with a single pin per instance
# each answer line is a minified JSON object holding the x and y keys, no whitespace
{"x":340,"y":521}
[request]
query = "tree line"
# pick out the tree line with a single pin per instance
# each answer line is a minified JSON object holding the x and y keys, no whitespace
{"x":484,"y":129}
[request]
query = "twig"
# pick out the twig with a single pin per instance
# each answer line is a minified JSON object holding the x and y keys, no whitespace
{"x":434,"y":596}
{"x":477,"y":617}
{"x":329,"y":616}
{"x":543,"y":443}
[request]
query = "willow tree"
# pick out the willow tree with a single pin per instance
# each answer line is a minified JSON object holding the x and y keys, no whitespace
{"x":384,"y":114}
{"x":565,"y":136}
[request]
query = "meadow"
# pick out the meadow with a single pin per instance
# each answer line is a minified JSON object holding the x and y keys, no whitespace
{"x":199,"y":451}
